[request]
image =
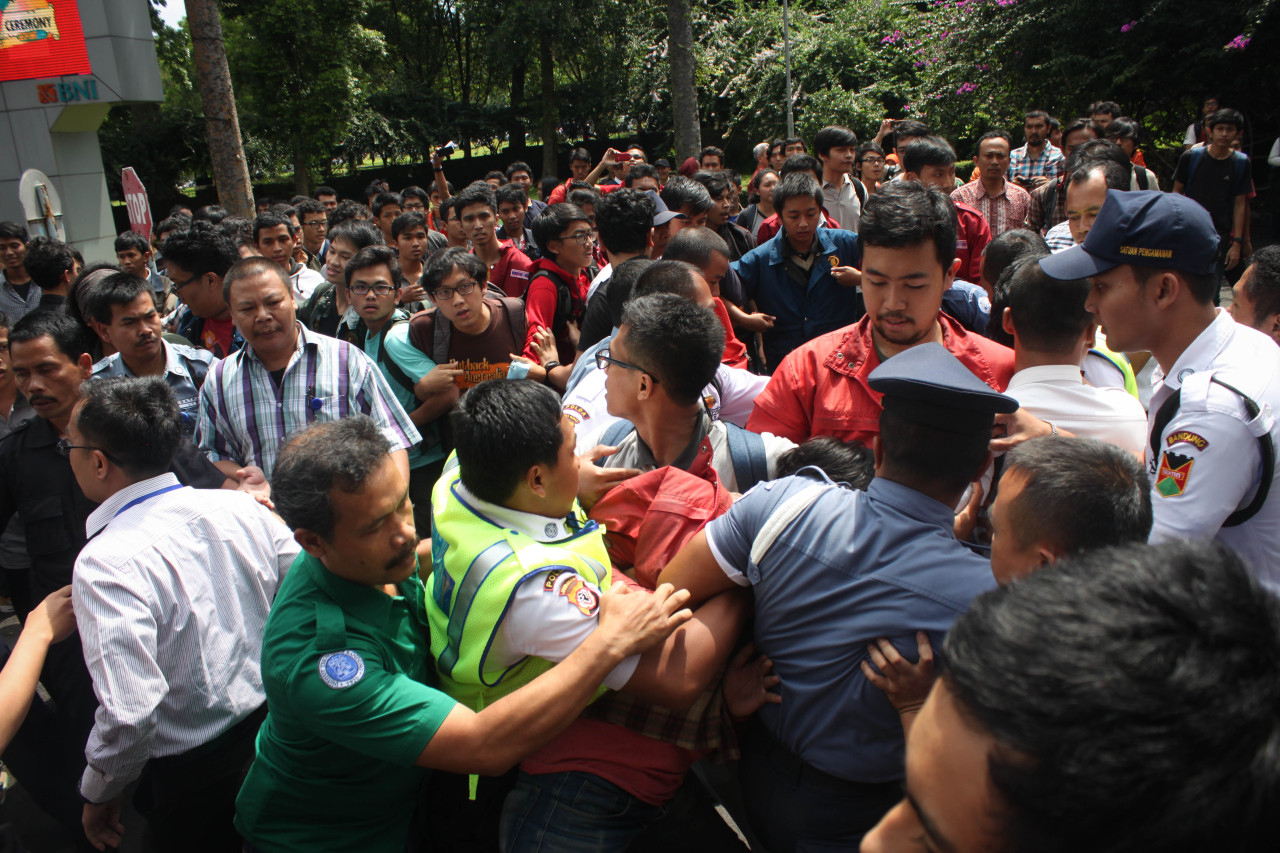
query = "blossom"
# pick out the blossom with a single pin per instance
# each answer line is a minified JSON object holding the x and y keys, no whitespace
{"x":1128,"y":26}
{"x":1240,"y":42}
{"x":966,"y":88}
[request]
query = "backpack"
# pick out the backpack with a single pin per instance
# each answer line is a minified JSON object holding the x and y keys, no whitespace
{"x":860,"y":191}
{"x":746,"y":451}
{"x":430,"y":437}
{"x":564,"y":299}
{"x":442,"y":330}
{"x":1169,"y":409}
{"x":1239,"y":163}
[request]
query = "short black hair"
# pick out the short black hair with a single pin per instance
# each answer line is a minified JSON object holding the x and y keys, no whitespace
{"x":168,"y":225}
{"x":308,"y":205}
{"x":14,"y":231}
{"x":907,"y":213}
{"x":47,"y":261}
{"x":252,"y":266}
{"x":406,"y":221}
{"x":308,"y":469}
{"x":1202,"y":287}
{"x":915,"y":454}
{"x":711,"y":151}
{"x":202,"y":248}
{"x":1078,"y":493}
{"x":502,"y":428}
{"x":1173,"y":748}
{"x":440,"y":264}
{"x":833,"y":136}
{"x":477,"y":192}
{"x":326,"y":191}
{"x":374,"y":256}
{"x":553,"y":219}
{"x":4,"y":321}
{"x":374,"y":188}
{"x":1030,"y":114}
{"x":580,"y":154}
{"x":681,"y":192}
{"x":70,"y":337}
{"x":271,"y":219}
{"x":715,"y":182}
{"x":347,"y":211}
{"x":792,"y":140}
{"x":800,"y":163}
{"x":797,"y":185}
{"x":667,"y":276}
{"x":384,"y":200}
{"x":998,"y":258}
{"x":414,"y":192}
{"x":1080,"y":124}
{"x":127,"y":240}
{"x":361,"y":232}
{"x":1226,"y":116}
{"x":1263,"y":285}
{"x":510,"y":194}
{"x":846,"y":462}
{"x":134,"y":420}
{"x":910,"y":129}
{"x":1109,"y":107}
{"x":623,"y":219}
{"x":1118,"y":178}
{"x":638,"y":171}
{"x":1123,"y":127}
{"x":1094,"y":151}
{"x":622,"y":285}
{"x":676,"y":341}
{"x":695,"y":246}
{"x":928,"y":151}
{"x":582,"y":197}
{"x":518,"y":166}
{"x":547,"y":185}
{"x":238,"y":229}
{"x":211,"y":213}
{"x":119,"y":289}
{"x":1048,"y":313}
{"x":994,"y":134}
{"x":496,"y":175}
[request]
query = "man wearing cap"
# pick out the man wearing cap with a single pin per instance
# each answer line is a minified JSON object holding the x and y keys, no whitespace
{"x":1211,"y":423}
{"x":825,"y":561}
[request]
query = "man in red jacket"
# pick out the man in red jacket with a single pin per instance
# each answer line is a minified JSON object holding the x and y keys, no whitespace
{"x":908,"y":244}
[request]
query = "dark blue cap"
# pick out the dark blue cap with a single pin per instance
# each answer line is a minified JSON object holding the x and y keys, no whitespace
{"x":661,"y":215}
{"x":928,"y":385}
{"x":1147,"y":229}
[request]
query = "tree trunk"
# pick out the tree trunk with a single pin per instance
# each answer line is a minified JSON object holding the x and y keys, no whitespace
{"x":684,"y":95}
{"x":550,"y":110}
{"x":226,"y":154}
{"x":515,"y":125}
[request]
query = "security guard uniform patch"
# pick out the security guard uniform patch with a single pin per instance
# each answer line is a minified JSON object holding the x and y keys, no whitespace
{"x":341,"y":669}
{"x":1173,"y":475}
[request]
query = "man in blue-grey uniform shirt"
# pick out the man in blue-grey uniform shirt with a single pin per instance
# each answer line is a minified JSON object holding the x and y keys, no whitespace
{"x":832,"y":570}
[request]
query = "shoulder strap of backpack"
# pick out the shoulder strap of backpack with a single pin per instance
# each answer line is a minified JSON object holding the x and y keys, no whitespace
{"x":1169,"y":409}
{"x":616,"y":432}
{"x":746,"y":450}
{"x":860,"y":191}
{"x":389,"y":364}
{"x":1195,"y":156}
{"x":516,"y":320}
{"x":1241,"y":166}
{"x":1141,"y":174}
{"x":441,"y":333}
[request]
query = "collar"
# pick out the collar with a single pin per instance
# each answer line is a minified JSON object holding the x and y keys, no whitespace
{"x":540,"y":528}
{"x":1004,"y":189}
{"x":1203,"y":350}
{"x":780,"y":248}
{"x":847,"y":182}
{"x":366,"y":603}
{"x":915,"y":504}
{"x":855,"y":354}
{"x":42,"y":434}
{"x":1064,"y":373}
{"x":698,"y":446}
{"x":107,"y":510}
{"x":547,"y":265}
{"x":397,"y":314}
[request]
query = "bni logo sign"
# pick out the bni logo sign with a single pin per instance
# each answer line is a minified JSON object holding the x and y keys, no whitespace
{"x":67,"y":93}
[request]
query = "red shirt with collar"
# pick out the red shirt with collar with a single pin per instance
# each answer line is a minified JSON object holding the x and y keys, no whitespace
{"x":512,"y":270}
{"x":771,"y":226}
{"x":540,"y":301}
{"x":972,"y":236}
{"x":821,"y":388}
{"x":735,"y":351}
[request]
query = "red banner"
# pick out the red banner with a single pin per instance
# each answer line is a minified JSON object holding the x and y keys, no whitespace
{"x":41,"y":38}
{"x":135,"y":199}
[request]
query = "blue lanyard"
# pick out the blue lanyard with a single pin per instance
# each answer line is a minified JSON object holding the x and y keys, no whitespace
{"x":146,"y":497}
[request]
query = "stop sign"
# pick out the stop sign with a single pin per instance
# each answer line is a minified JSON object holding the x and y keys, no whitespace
{"x":135,"y":199}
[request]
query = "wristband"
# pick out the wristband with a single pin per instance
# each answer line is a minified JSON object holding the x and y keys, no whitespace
{"x":1053,"y":430}
{"x":1237,"y":239}
{"x":549,"y":366}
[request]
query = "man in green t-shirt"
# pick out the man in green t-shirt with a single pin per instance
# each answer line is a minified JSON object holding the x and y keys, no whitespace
{"x":354,"y":717}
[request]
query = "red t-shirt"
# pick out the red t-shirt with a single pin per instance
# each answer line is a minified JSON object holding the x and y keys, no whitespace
{"x":216,"y":337}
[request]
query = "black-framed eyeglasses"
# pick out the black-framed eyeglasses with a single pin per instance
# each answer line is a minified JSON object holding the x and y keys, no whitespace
{"x":442,"y":294}
{"x":178,"y":285}
{"x":583,"y":237}
{"x":379,"y":289}
{"x":414,"y":208}
{"x":319,"y":223}
{"x":603,"y":360}
{"x":65,"y":447}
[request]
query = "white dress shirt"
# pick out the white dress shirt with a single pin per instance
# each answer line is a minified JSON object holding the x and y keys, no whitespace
{"x":171,"y":595}
{"x":1057,"y":393}
{"x":842,"y":203}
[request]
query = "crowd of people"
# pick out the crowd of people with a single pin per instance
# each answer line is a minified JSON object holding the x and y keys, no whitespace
{"x":876,"y":508}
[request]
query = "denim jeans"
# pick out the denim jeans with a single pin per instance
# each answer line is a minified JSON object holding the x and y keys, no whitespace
{"x":571,"y":813}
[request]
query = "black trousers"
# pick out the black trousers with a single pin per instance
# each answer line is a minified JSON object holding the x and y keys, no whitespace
{"x":794,"y":806}
{"x":189,"y":800}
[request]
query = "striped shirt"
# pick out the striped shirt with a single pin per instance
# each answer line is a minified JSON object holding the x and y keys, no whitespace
{"x":171,"y":595}
{"x":245,"y":418}
{"x":1004,"y":211}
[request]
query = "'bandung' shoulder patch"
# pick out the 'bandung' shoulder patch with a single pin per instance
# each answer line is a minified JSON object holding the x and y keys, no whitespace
{"x":341,"y":669}
{"x":1183,"y":436}
{"x":1174,"y":474}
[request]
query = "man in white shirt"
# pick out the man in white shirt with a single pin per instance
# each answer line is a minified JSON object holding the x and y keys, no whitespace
{"x":276,"y":237}
{"x":171,"y":595}
{"x":1052,"y":332}
{"x":835,"y":147}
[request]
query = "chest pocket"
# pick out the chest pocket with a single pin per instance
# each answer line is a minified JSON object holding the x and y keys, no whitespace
{"x":46,"y":524}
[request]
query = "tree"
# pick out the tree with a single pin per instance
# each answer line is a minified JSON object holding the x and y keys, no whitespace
{"x":684,"y":95}
{"x":226,"y":154}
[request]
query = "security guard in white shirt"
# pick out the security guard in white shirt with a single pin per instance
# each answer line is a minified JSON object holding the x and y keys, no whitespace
{"x":1152,"y":257}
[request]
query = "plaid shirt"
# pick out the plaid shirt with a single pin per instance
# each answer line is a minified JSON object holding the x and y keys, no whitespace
{"x":13,"y":305}
{"x":1039,"y":218}
{"x":245,"y":418}
{"x":1049,"y":164}
{"x":1003,"y":212}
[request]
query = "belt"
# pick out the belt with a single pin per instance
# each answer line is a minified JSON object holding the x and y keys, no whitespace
{"x":763,"y":740}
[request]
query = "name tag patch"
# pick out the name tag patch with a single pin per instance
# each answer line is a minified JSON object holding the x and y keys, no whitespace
{"x":341,"y":669}
{"x":1174,"y":474}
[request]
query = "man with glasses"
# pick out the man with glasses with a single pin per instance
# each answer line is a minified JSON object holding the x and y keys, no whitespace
{"x":197,"y":259}
{"x":557,"y":293}
{"x":314,"y":220}
{"x":425,"y":390}
{"x":469,"y":325}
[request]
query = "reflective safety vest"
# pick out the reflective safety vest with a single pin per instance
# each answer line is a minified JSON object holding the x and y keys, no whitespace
{"x":477,"y":566}
{"x":1121,"y":362}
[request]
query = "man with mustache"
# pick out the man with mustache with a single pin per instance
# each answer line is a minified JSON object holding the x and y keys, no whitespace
{"x":908,"y":249}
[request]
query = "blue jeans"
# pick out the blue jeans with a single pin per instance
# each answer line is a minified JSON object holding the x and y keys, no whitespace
{"x":571,"y":813}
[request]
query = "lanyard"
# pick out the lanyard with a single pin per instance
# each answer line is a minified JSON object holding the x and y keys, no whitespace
{"x":146,"y":497}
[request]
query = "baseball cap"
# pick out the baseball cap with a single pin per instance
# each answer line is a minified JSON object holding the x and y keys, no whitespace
{"x":1143,"y":228}
{"x":661,"y":215}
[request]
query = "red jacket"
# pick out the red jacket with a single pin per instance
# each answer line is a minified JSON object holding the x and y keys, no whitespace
{"x":972,"y":236}
{"x":541,"y":301}
{"x":735,"y":351}
{"x":771,"y":226}
{"x":512,"y":271}
{"x":821,"y":388}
